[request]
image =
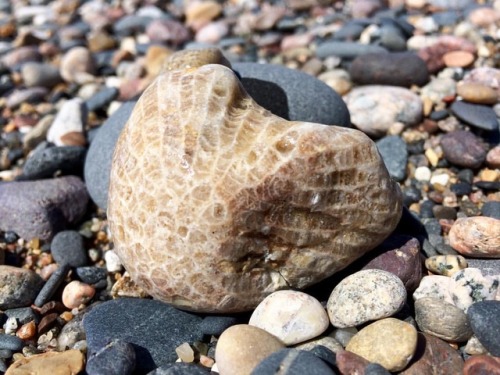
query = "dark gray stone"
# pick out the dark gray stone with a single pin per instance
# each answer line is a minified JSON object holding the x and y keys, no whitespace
{"x":3,"y":366}
{"x":376,"y":369}
{"x":131,"y":24}
{"x":68,"y":249}
{"x":292,"y":362}
{"x":18,"y":287}
{"x":293,"y":95}
{"x":116,"y":358}
{"x":5,"y":354}
{"x":216,"y":324}
{"x":491,"y":209}
{"x":395,"y":155}
{"x":95,"y":276}
{"x":10,"y":342}
{"x":100,"y":154}
{"x":392,"y":38}
{"x":40,"y":209}
{"x":464,"y":149}
{"x":47,"y":160}
{"x":51,"y":286}
{"x":102,"y":98}
{"x":461,"y":188}
{"x":398,"y":69}
{"x":154,"y":328}
{"x":325,"y":354}
{"x":484,"y":320}
{"x":40,"y":74}
{"x":488,"y":267}
{"x":350,"y":31}
{"x":479,"y":116}
{"x":71,"y":333}
{"x":29,"y":95}
{"x":23,"y":315}
{"x":346,"y":50}
{"x":181,"y":369}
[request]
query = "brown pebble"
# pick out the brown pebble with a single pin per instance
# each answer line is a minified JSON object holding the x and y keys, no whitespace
{"x":27,"y":331}
{"x":47,"y":322}
{"x":350,"y":363}
{"x":477,"y":93}
{"x":482,"y":365}
{"x":51,"y":363}
{"x":51,"y":307}
{"x":493,"y":157}
{"x":458,"y":59}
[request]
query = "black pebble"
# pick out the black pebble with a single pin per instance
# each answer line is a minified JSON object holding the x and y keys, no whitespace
{"x":485,"y":323}
{"x":95,"y":276}
{"x":461,"y":188}
{"x":23,"y":315}
{"x":67,"y":247}
{"x":491,"y":209}
{"x":325,"y":354}
{"x":376,"y":369}
{"x":215,"y":325}
{"x":426,"y":209}
{"x":10,"y":342}
{"x":393,"y":151}
{"x":51,"y":286}
{"x":439,"y":115}
{"x":117,"y":357}
{"x":488,"y":185}
{"x":101,"y":99}
{"x":292,"y":362}
{"x":411,"y":195}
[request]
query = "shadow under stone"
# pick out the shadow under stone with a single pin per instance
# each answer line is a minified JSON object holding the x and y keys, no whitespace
{"x":268,"y":95}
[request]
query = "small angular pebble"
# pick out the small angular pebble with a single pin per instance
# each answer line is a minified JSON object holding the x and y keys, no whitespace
{"x":482,"y":365}
{"x":395,"y":155}
{"x":69,"y":362}
{"x":40,"y":209}
{"x":442,"y":320}
{"x":242,"y":347}
{"x":39,"y":74}
{"x":469,"y":286}
{"x":483,"y":317}
{"x":10,"y":342}
{"x":477,"y":237}
{"x":479,"y":116}
{"x":374,"y":109}
{"x":434,"y":356}
{"x":398,"y":69}
{"x":435,"y":286}
{"x":51,"y":286}
{"x":464,"y":149}
{"x":389,"y":342}
{"x":71,"y":333}
{"x":291,"y":316}
{"x":69,"y":125}
{"x":292,"y":362}
{"x":77,"y":293}
{"x":67,"y":247}
{"x":445,"y":265}
{"x":116,"y":358}
{"x":46,"y":161}
{"x":365,"y":295}
{"x":19,"y":287}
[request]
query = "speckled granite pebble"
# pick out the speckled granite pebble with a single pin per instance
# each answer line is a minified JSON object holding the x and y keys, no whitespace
{"x":18,"y":287}
{"x":365,"y":295}
{"x":445,"y":265}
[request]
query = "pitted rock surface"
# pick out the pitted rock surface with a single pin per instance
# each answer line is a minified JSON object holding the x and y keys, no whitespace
{"x":215,"y":202}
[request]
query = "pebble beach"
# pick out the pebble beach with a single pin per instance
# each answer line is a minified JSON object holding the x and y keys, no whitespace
{"x":420,"y":78}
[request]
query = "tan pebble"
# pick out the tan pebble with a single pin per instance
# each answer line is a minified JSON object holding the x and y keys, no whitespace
{"x":337,"y":79}
{"x":190,"y":59}
{"x":432,"y":156}
{"x":389,"y":342}
{"x":458,"y":59}
{"x":50,"y":363}
{"x":185,"y":352}
{"x":241,"y":347}
{"x":445,"y":265}
{"x":291,"y":316}
{"x":27,"y":331}
{"x":491,"y":175}
{"x":476,"y":236}
{"x":484,"y":17}
{"x":77,"y":293}
{"x":155,"y":58}
{"x":206,"y":361}
{"x":66,"y":316}
{"x":200,"y":13}
{"x":477,"y":93}
{"x":493,"y":157}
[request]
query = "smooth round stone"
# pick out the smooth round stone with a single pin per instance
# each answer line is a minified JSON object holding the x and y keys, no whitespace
{"x":482,"y":365}
{"x":291,"y":316}
{"x":392,"y":38}
{"x":365,"y":295}
{"x":477,"y":93}
{"x":469,"y":286}
{"x":51,"y":286}
{"x":292,"y":362}
{"x":434,"y":286}
{"x":483,"y":317}
{"x":350,"y":363}
{"x":491,"y":209}
{"x":28,"y":95}
{"x":69,"y":124}
{"x":77,"y":65}
{"x":458,"y":59}
{"x":398,"y":69}
{"x":9,"y":342}
{"x":46,"y":161}
{"x":242,"y":347}
{"x":464,"y":149}
{"x":72,"y":361}
{"x":442,"y":320}
{"x":292,"y":95}
{"x":337,"y":79}
{"x":346,"y":50}
{"x":476,"y":236}
{"x":67,"y":247}
{"x":445,"y":265}
{"x":389,"y":342}
{"x":77,"y":293}
{"x":434,"y":356}
{"x":374,"y":109}
{"x":95,"y":276}
{"x":39,"y":74}
{"x":422,"y":174}
{"x":479,"y":116}
{"x":19,"y":287}
{"x":116,"y":358}
{"x":484,"y":75}
{"x":395,"y":155}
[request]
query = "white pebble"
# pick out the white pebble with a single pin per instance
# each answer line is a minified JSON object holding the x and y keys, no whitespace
{"x":441,"y":179}
{"x":10,"y":326}
{"x":422,"y":174}
{"x":113,"y":263}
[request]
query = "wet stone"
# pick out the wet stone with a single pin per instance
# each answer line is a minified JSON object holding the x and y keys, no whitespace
{"x":479,"y":116}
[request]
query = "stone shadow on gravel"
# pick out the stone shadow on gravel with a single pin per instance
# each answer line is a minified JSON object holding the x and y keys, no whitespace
{"x":268,"y":95}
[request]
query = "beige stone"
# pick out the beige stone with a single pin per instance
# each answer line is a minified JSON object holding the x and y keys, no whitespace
{"x":215,"y":202}
{"x":445,"y":265}
{"x":70,"y":362}
{"x":389,"y":342}
{"x":77,"y":293}
{"x":241,"y":347}
{"x":477,"y":93}
{"x":200,"y":13}
{"x":476,"y":236}
{"x":191,"y":59}
{"x":460,"y":59}
{"x":291,"y":316}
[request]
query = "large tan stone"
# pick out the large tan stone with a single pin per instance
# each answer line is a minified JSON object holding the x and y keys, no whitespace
{"x":70,"y":362}
{"x":215,"y":203}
